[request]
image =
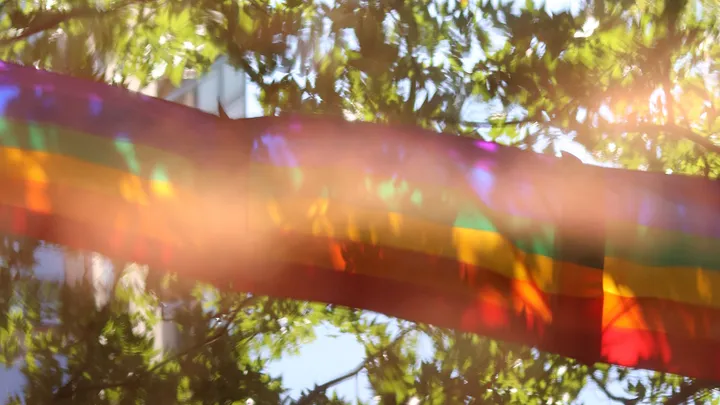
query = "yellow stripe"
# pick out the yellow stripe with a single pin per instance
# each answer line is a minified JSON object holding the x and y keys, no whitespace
{"x":694,"y":286}
{"x":484,"y":249}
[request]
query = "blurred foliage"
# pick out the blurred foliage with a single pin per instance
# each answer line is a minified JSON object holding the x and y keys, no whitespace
{"x":633,"y":82}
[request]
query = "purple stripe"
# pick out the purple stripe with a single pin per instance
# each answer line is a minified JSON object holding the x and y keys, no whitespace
{"x":505,"y":179}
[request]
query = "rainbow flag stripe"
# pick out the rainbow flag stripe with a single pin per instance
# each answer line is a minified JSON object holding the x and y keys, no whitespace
{"x":593,"y":263}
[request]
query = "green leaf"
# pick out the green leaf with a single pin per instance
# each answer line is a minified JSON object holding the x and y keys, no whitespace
{"x":246,"y":23}
{"x":177,"y":72}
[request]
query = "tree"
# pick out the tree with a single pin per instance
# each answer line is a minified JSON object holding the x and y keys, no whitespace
{"x":634,"y":83}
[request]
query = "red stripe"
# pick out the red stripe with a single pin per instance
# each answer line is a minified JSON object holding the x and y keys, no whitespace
{"x":575,"y":326}
{"x":692,"y":357}
{"x":125,"y":244}
{"x":489,"y":312}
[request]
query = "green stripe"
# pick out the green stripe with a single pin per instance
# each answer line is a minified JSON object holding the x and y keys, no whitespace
{"x":528,"y":235}
{"x":441,"y":206}
{"x":662,"y":248}
{"x":453,"y":207}
{"x":143,"y":161}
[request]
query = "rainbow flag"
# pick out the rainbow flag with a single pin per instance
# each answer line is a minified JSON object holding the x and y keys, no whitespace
{"x":593,"y":263}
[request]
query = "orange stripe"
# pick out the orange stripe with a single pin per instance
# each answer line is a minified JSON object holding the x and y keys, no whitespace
{"x":161,"y":221}
{"x":657,"y":315}
{"x":43,"y":168}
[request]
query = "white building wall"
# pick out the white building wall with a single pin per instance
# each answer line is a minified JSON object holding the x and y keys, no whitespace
{"x":223,"y":83}
{"x":208,"y":92}
{"x":95,"y":268}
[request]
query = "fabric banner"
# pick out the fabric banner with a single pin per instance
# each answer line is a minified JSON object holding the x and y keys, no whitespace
{"x":593,"y":263}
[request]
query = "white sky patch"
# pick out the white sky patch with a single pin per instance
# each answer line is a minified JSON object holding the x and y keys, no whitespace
{"x":588,"y":28}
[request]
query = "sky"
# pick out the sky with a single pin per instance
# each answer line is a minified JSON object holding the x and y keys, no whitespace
{"x":332,"y":354}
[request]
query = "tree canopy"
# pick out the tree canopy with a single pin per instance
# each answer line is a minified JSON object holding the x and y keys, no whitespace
{"x":634,"y":83}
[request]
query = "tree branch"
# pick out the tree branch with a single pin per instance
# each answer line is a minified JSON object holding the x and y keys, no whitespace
{"x":68,"y":390}
{"x":609,"y":394}
{"x":688,"y":391}
{"x":672,"y":129}
{"x":645,"y":128}
{"x":45,"y":20}
{"x":313,"y":395}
